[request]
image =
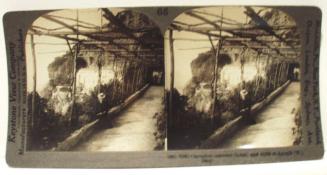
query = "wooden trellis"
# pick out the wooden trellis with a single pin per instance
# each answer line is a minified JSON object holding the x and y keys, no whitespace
{"x":259,"y":37}
{"x":119,"y":41}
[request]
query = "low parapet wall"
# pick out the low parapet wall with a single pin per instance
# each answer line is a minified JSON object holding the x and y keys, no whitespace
{"x":230,"y":127}
{"x":85,"y":131}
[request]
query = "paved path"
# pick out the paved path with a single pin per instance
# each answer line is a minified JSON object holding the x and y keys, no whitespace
{"x":274,"y":124}
{"x":133,"y":129}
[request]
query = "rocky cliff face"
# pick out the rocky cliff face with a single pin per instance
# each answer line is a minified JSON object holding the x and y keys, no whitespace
{"x":199,"y":90}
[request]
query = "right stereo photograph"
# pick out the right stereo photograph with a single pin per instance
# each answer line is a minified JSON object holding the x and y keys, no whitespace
{"x":233,"y":79}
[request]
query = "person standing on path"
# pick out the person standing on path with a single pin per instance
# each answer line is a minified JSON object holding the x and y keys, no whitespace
{"x":246,"y":105}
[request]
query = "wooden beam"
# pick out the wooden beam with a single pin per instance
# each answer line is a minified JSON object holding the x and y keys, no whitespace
{"x":70,"y":47}
{"x":73,"y":116}
{"x":144,"y":29}
{"x":172,"y":67}
{"x":87,"y":35}
{"x":124,"y":29}
{"x":37,"y":32}
{"x":231,"y":32}
{"x":182,"y":28}
{"x":215,"y":79}
{"x":212,"y":45}
{"x":263,"y":24}
{"x":71,"y":19}
{"x":253,"y":29}
{"x":216,"y":26}
{"x":34,"y":81}
{"x":81,"y":32}
{"x":217,"y":16}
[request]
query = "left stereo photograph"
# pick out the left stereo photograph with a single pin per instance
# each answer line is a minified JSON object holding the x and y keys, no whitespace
{"x":94,"y":82}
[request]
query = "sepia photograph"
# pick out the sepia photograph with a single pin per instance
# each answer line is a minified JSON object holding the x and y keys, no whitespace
{"x":95,"y":82}
{"x":233,"y":79}
{"x":163,"y":86}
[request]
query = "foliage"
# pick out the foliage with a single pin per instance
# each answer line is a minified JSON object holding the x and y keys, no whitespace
{"x":48,"y":128}
{"x":161,"y":124}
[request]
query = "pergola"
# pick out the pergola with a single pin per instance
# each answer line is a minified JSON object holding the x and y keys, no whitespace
{"x":258,"y":36}
{"x":121,"y":42}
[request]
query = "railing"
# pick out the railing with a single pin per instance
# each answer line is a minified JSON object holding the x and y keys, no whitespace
{"x":230,"y":127}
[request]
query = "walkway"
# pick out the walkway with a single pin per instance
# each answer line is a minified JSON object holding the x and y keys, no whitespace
{"x":274,"y":124}
{"x":133,"y":129}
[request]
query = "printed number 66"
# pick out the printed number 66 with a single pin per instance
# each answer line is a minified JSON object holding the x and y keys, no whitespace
{"x":163,"y":11}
